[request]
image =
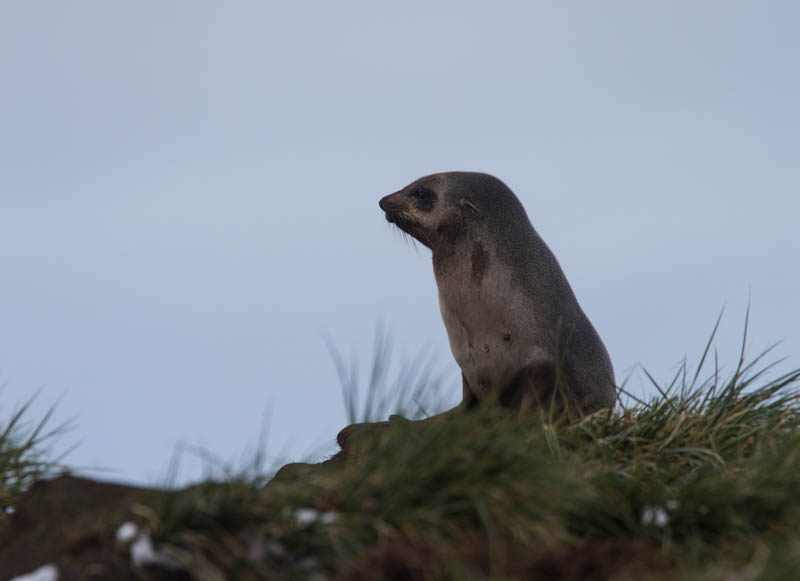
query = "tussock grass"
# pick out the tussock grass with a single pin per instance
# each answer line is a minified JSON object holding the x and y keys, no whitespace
{"x":700,"y":481}
{"x":414,"y":390}
{"x":25,"y":452}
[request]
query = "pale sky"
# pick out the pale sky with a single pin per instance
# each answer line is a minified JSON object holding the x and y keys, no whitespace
{"x":189,"y":196}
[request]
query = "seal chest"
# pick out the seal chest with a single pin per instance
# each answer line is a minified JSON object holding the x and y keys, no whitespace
{"x":481,"y":329}
{"x":514,"y":325}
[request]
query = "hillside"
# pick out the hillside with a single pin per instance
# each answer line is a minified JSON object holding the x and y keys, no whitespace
{"x":701,"y":482}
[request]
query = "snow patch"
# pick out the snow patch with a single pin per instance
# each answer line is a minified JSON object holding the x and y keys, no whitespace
{"x":127,"y":532}
{"x":144,"y":554}
{"x":306,"y":516}
{"x":44,"y":573}
{"x":655,"y":515}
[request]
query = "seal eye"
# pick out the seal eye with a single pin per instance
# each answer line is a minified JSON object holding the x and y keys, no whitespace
{"x":422,"y":195}
{"x":423,"y":199}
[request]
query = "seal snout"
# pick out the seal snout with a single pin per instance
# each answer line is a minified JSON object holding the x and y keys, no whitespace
{"x":390,"y":203}
{"x":390,"y":206}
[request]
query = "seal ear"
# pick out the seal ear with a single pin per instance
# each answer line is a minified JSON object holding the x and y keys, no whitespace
{"x":470,"y":206}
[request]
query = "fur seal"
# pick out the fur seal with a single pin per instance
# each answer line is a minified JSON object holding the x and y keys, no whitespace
{"x":514,"y":325}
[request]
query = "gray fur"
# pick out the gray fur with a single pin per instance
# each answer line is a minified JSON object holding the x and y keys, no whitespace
{"x":514,"y":325}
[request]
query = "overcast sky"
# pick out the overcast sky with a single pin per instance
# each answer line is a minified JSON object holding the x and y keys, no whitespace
{"x":189,"y":196}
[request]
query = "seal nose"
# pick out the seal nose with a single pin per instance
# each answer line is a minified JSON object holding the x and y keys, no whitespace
{"x":382,"y":203}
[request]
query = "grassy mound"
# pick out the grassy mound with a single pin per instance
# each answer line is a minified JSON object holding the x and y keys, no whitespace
{"x":700,"y":482}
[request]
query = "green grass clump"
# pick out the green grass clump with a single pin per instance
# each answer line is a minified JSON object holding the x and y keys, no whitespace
{"x":413,"y":392}
{"x":24,"y":453}
{"x":701,"y":481}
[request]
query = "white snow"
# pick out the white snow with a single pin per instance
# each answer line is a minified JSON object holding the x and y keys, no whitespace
{"x":655,"y":515}
{"x":143,"y":553}
{"x":305,"y":516}
{"x":45,"y":573}
{"x":126,"y":532}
